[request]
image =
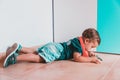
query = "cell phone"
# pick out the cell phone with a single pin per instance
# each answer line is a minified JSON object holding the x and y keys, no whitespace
{"x":99,"y":58}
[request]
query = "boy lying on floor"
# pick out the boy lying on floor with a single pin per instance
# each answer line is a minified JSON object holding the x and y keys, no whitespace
{"x":77,"y":48}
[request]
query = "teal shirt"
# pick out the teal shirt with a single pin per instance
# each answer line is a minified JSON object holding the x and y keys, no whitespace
{"x":70,"y":47}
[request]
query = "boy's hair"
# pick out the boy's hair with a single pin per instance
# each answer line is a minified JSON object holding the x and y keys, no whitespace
{"x":91,"y":34}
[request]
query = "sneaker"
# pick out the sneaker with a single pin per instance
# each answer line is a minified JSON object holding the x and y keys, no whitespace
{"x":11,"y":54}
{"x":10,"y":60}
{"x":19,"y":48}
{"x":14,"y":48}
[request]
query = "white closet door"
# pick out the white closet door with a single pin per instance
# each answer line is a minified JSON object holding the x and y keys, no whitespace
{"x":27,"y":22}
{"x":72,"y":17}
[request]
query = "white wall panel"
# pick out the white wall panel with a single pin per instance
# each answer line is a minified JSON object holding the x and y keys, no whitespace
{"x":25,"y":21}
{"x":72,"y":17}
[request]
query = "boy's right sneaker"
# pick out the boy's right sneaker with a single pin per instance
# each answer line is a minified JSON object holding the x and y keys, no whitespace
{"x":11,"y":59}
{"x":15,"y":47}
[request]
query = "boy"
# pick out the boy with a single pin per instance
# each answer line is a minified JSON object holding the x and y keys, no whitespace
{"x":77,"y":48}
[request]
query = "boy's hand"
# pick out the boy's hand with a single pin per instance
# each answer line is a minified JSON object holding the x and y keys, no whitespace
{"x":95,"y":60}
{"x":91,"y":54}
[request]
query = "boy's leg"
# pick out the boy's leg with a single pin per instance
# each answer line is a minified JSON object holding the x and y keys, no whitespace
{"x":30,"y":58}
{"x":25,"y":50}
{"x":22,"y":50}
{"x":11,"y":54}
{"x":12,"y":59}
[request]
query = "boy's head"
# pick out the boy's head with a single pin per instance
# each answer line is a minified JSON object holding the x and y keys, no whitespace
{"x":91,"y":38}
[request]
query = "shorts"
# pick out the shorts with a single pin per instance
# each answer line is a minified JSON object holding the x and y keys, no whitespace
{"x":50,"y":52}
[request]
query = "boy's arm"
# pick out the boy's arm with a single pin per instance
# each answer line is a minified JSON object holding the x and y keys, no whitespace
{"x":78,"y":58}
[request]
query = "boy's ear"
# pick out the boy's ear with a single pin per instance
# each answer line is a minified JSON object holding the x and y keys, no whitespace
{"x":87,"y":41}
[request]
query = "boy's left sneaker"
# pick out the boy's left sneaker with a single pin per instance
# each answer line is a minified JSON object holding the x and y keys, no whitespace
{"x":11,"y":55}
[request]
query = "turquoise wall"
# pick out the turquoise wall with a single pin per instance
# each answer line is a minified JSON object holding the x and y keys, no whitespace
{"x":108,"y":23}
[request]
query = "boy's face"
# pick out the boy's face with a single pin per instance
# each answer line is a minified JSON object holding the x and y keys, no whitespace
{"x":90,"y":44}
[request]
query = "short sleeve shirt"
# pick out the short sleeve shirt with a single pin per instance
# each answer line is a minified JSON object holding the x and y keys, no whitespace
{"x":70,"y":47}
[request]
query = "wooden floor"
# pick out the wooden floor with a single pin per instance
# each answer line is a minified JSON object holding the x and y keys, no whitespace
{"x":65,"y":70}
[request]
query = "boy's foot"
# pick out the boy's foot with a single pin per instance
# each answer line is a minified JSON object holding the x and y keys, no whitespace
{"x":14,"y":48}
{"x":10,"y":59}
{"x":11,"y":54}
